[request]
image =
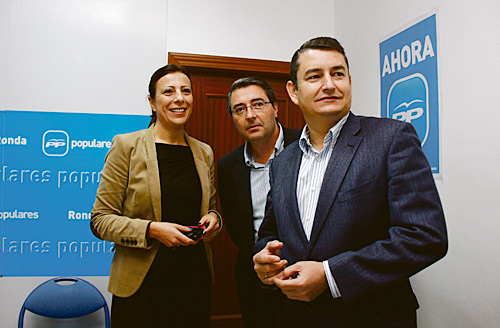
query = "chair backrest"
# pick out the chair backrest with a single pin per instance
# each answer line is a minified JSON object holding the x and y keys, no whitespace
{"x":56,"y":298}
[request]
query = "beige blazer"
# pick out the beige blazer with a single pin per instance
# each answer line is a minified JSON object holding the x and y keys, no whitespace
{"x":129,"y":197}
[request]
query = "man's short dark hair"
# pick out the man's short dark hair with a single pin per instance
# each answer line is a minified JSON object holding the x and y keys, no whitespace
{"x":246,"y":82}
{"x":320,"y":43}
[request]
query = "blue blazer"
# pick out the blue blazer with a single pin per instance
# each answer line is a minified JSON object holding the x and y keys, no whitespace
{"x":379,"y":220}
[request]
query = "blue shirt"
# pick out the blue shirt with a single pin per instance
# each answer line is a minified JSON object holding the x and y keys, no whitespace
{"x":259,"y":180}
{"x":311,"y":173}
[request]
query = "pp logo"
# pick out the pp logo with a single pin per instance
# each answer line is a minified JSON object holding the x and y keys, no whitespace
{"x":408,"y":100}
{"x":55,"y":143}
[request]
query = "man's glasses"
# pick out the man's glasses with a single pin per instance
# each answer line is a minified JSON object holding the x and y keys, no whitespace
{"x":256,"y":106}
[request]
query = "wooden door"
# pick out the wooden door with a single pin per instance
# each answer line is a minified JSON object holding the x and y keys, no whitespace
{"x":210,"y":122}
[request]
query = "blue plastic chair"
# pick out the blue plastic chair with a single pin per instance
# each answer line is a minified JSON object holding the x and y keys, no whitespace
{"x":62,"y":301}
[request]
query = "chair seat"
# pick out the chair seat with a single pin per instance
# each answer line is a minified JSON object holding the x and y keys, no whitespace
{"x":62,"y":301}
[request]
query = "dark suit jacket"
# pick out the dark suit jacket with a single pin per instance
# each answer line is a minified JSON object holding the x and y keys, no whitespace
{"x":236,"y":202}
{"x":378,"y":221}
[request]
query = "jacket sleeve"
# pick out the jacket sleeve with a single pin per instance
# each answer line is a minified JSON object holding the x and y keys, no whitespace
{"x":114,"y":203}
{"x":213,"y":199}
{"x":416,"y":235}
{"x":229,"y":203}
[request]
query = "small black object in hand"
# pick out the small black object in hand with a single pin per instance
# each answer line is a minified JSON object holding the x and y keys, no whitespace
{"x":196,"y":233}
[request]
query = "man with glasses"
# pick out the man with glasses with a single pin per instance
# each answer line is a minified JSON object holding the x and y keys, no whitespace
{"x":243,"y":183}
{"x":353,"y":211}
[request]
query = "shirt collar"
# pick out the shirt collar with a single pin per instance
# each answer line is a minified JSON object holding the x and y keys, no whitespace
{"x":278,"y":148}
{"x":329,"y":140}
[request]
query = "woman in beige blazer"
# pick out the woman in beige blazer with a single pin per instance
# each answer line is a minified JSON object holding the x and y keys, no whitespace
{"x":156,"y":184}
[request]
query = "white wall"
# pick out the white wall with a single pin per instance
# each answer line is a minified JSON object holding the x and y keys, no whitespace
{"x":262,"y":29}
{"x":96,"y":56}
{"x":463,"y":289}
{"x":4,"y":37}
{"x":81,"y":56}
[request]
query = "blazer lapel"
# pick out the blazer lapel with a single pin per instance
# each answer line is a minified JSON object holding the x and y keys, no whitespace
{"x":203,"y":173}
{"x":153,"y":171}
{"x":343,"y":153}
{"x":290,"y":176}
{"x":241,"y":177}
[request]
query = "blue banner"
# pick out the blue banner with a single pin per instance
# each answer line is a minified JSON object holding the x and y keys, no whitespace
{"x":409,"y":83}
{"x":49,"y":174}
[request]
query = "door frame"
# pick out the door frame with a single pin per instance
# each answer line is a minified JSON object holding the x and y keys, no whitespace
{"x":222,"y":63}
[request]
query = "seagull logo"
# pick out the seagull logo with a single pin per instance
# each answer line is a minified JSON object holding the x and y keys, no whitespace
{"x":409,"y":114}
{"x":408,"y":101}
{"x":55,"y":143}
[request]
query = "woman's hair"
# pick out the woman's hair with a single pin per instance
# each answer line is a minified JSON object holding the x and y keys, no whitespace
{"x":161,"y":72}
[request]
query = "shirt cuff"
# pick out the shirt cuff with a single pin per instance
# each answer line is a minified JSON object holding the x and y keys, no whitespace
{"x":331,"y":282}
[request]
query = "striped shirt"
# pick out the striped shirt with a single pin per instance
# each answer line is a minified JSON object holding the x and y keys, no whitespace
{"x":311,"y":173}
{"x":259,"y":180}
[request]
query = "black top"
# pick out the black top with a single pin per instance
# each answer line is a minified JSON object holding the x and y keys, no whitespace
{"x":180,"y":200}
{"x":180,"y":185}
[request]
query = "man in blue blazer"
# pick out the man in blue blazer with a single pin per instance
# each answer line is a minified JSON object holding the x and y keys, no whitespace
{"x":353,"y":210}
{"x":243,"y":179}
